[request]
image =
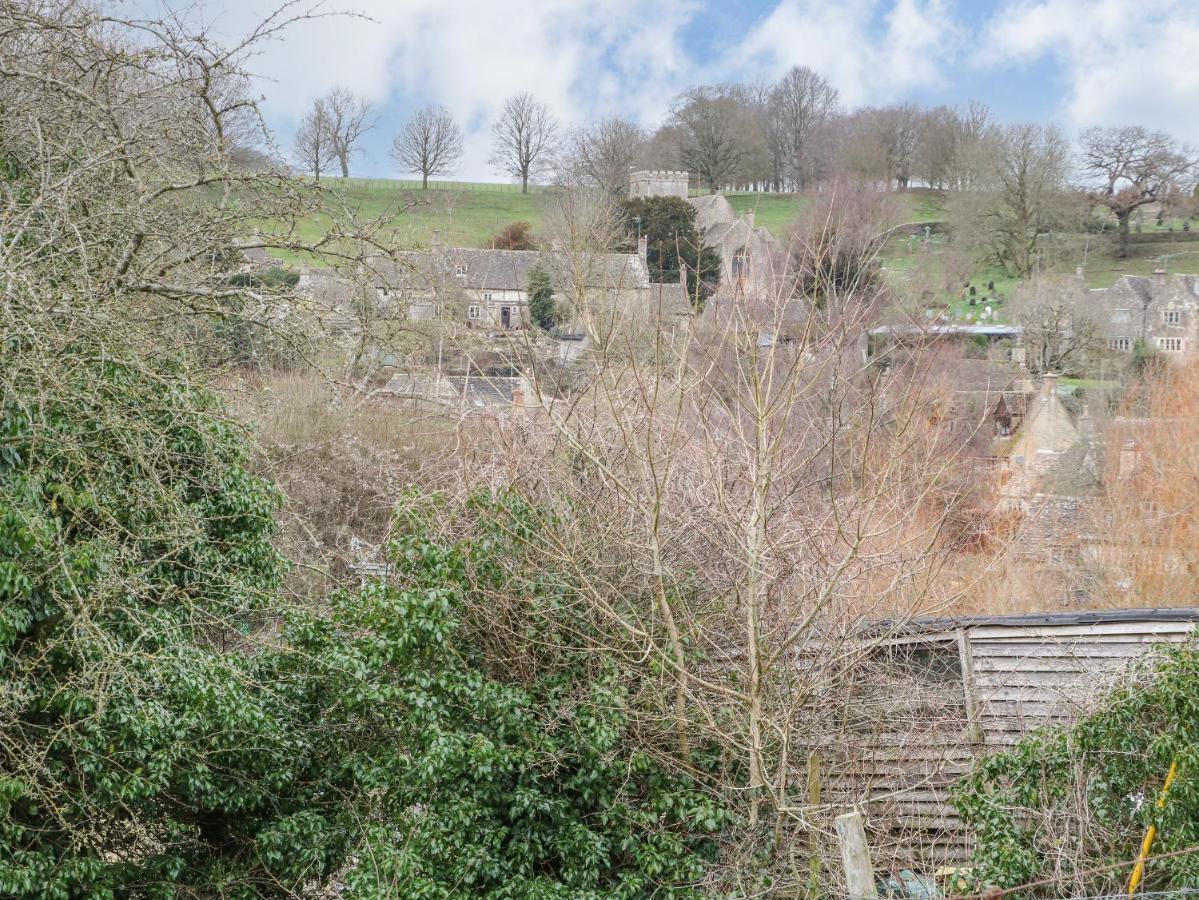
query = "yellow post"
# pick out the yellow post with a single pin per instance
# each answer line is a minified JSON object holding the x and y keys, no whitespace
{"x":1138,"y":871}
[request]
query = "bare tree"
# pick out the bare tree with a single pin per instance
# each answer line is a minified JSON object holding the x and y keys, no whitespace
{"x":857,"y":149}
{"x":524,"y":139}
{"x":709,"y":123}
{"x":602,"y":154}
{"x":1132,"y":167}
{"x":750,"y":500}
{"x":314,"y":144}
{"x":899,"y":132}
{"x":430,"y":143}
{"x":800,"y":104}
{"x":349,"y":119}
{"x":1018,"y":198}
{"x":1060,"y":332}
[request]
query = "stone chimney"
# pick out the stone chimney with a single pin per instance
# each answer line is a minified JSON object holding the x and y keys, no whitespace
{"x":1049,"y":385}
{"x":643,"y":248}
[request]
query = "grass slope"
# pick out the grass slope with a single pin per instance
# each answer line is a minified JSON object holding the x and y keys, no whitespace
{"x":470,"y":214}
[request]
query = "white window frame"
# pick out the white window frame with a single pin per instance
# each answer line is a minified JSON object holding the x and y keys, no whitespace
{"x":1172,"y":316}
{"x":474,"y":311}
{"x":488,"y":296}
{"x":1120,"y":344}
{"x":460,"y":270}
{"x":1170,"y":344}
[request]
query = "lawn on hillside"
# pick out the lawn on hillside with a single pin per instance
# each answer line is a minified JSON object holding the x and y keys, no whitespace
{"x":470,"y":215}
{"x":465,"y":215}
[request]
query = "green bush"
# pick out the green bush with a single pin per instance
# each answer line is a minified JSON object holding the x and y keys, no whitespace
{"x":170,"y":725}
{"x":1066,"y":801}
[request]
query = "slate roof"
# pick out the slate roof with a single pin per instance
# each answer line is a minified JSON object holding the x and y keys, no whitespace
{"x":508,"y":270}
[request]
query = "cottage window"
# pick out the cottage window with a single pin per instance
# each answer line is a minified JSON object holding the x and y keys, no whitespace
{"x":474,"y":311}
{"x":1120,"y":344}
{"x":460,"y":270}
{"x":1170,"y":345}
{"x":487,"y":297}
{"x":1172,"y":317}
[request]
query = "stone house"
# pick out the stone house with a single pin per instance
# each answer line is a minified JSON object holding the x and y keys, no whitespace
{"x":1161,"y":310}
{"x":487,"y":289}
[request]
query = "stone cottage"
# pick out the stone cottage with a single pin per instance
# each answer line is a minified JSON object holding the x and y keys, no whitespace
{"x":487,"y":289}
{"x":1161,"y":310}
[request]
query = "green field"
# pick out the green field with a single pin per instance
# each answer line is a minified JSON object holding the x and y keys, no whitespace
{"x":470,"y":215}
{"x":465,"y":215}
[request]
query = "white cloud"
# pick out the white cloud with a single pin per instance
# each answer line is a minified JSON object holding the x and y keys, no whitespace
{"x":843,"y":42}
{"x":582,"y":59}
{"x":1123,"y":61}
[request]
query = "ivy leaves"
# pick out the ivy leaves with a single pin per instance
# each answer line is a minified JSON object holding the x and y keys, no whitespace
{"x":172,"y":723}
{"x":1065,"y":801}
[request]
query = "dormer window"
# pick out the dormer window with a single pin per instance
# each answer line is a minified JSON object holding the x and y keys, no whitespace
{"x":460,"y":270}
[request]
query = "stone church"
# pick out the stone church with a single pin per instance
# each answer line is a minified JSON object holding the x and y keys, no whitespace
{"x":748,"y":253}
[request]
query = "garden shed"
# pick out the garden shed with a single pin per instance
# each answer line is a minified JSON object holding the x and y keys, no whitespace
{"x":938,"y":693}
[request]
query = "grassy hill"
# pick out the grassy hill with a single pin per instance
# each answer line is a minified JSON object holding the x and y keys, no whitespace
{"x":470,"y":214}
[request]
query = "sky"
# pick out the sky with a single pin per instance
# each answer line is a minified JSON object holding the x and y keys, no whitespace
{"x":1074,"y":62}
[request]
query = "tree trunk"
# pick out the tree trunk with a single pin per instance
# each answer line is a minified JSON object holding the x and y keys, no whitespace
{"x":424,"y":181}
{"x":524,"y":182}
{"x":344,"y":159}
{"x":1123,"y":218}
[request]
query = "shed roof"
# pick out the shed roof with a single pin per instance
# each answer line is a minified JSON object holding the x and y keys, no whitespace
{"x":1047,"y":619}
